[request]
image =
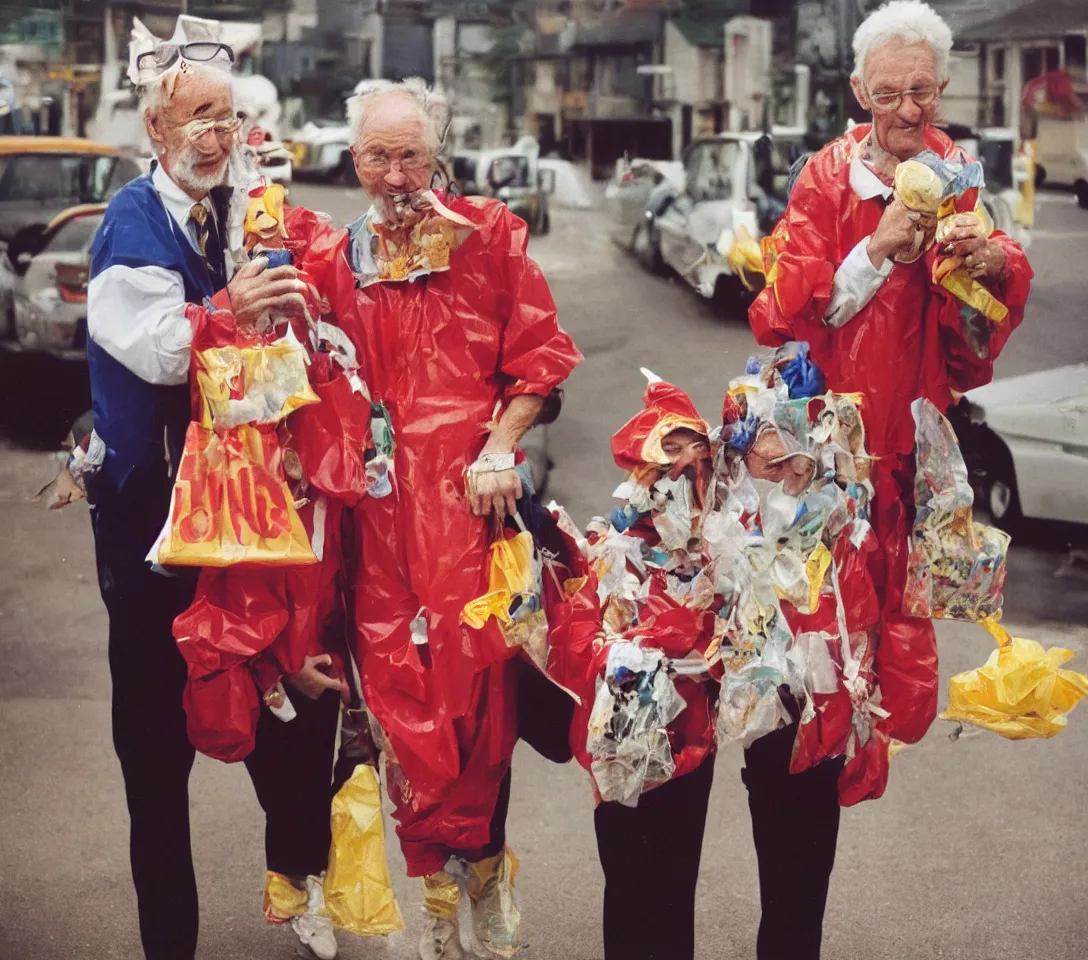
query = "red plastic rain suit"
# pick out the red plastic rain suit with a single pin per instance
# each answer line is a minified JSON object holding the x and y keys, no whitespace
{"x":909,"y":341}
{"x":250,"y":624}
{"x":440,"y":353}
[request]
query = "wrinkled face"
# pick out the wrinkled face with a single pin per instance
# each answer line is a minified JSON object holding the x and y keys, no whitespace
{"x":393,"y":158}
{"x":194,"y":153}
{"x":688,"y":453}
{"x":767,"y":460}
{"x":895,"y":68}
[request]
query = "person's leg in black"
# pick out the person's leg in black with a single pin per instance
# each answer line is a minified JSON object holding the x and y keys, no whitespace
{"x":795,"y":824}
{"x":661,"y":838}
{"x":291,"y":770}
{"x":544,"y":713}
{"x":148,"y":676}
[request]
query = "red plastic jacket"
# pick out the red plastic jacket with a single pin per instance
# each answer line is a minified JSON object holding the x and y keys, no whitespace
{"x":911,"y":340}
{"x":440,"y":353}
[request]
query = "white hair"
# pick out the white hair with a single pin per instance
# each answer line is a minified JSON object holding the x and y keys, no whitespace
{"x":433,"y":107}
{"x":908,"y":21}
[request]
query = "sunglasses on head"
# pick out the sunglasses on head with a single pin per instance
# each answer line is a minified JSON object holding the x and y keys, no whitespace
{"x":165,"y":55}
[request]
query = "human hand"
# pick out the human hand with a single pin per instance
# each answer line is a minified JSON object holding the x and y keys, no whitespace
{"x":255,"y":291}
{"x":894,"y":234}
{"x":987,"y":262}
{"x":961,"y":235}
{"x":496,"y":491}
{"x":311,"y":681}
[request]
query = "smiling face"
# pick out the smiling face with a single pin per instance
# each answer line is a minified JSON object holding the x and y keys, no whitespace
{"x":198,"y":162}
{"x":393,"y":157}
{"x":892,"y":68}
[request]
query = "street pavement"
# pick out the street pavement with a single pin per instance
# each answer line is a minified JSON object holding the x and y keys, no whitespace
{"x":976,"y":852}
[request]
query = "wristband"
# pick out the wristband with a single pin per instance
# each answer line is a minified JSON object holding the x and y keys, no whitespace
{"x":493,"y":463}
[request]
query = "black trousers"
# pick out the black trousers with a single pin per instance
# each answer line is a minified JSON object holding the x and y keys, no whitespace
{"x":148,"y":676}
{"x":795,"y":824}
{"x":659,"y":842}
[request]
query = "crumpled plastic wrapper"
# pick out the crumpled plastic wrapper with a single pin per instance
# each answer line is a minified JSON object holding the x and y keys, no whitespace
{"x":514,"y":597}
{"x":358,"y":889}
{"x":1021,"y":693}
{"x":257,"y":384}
{"x":283,"y":901}
{"x":421,"y":245}
{"x":627,"y":737}
{"x":956,"y":568}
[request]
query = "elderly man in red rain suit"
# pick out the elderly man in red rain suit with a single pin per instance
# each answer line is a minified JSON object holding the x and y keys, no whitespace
{"x":846,"y":272}
{"x":456,"y":335}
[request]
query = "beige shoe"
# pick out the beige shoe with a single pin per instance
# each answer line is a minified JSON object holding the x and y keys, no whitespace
{"x":314,"y":930}
{"x":496,"y":919}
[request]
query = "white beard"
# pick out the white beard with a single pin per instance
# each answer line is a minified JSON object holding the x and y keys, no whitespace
{"x":182,"y":172}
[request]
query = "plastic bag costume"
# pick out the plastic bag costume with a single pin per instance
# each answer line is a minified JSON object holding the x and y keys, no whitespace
{"x":735,"y":596}
{"x":913,"y":339}
{"x":446,"y":333}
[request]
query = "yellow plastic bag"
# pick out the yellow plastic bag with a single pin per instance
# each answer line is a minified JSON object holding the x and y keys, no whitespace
{"x":1021,"y":692}
{"x":231,"y":503}
{"x":510,"y":573}
{"x":358,"y":892}
{"x":745,"y":256}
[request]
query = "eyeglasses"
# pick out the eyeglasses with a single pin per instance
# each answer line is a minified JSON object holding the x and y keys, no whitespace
{"x":195,"y":129}
{"x":890,"y":102}
{"x":377,"y":162}
{"x":165,"y":55}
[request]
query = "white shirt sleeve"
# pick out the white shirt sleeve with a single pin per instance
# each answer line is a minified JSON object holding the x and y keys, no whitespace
{"x":856,"y":283}
{"x":137,"y":315}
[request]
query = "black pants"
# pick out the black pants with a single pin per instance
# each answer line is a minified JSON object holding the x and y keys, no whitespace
{"x":795,"y":824}
{"x":659,"y":842}
{"x":148,"y":676}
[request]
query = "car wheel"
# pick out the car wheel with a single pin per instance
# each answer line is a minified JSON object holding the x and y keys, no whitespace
{"x":647,"y":248}
{"x":1081,"y":187}
{"x":1002,"y":495}
{"x":344,"y":173}
{"x":1040,"y":174}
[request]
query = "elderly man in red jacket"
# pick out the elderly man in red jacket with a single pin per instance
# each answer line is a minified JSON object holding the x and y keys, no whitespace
{"x":850,"y":277}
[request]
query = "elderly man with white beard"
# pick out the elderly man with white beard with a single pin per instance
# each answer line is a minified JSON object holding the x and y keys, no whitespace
{"x":161,"y":249}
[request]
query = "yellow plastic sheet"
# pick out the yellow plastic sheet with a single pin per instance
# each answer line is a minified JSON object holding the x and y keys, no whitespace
{"x":283,"y":901}
{"x":358,"y":892}
{"x":950,"y":273}
{"x":1021,"y":692}
{"x":745,"y":256}
{"x":510,"y":573}
{"x":441,"y":895}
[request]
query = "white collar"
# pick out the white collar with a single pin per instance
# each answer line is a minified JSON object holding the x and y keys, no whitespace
{"x":177,"y":202}
{"x":864,"y":182}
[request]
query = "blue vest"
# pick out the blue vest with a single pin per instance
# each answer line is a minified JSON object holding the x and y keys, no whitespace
{"x":141,"y":422}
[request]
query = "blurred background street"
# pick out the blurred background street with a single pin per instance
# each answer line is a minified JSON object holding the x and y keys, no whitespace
{"x":977,"y":850}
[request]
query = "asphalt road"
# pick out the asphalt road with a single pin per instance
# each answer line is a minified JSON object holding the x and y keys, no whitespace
{"x":978,"y":850}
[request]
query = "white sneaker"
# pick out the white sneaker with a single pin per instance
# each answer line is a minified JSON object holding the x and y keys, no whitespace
{"x":441,"y":940}
{"x":496,"y":920}
{"x":314,"y":929}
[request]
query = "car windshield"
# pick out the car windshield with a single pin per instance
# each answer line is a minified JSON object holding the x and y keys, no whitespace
{"x":710,"y":171}
{"x":75,"y":236}
{"x":57,"y":178}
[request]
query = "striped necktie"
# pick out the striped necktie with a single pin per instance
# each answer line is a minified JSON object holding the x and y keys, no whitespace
{"x":199,"y":216}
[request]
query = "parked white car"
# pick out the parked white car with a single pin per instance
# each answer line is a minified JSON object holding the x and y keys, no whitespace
{"x":49,"y":291}
{"x":731,"y":181}
{"x":1026,"y":446}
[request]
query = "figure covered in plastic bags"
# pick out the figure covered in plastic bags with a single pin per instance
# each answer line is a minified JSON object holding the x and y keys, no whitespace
{"x":851,"y":270}
{"x":456,"y":330}
{"x":728,"y":580}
